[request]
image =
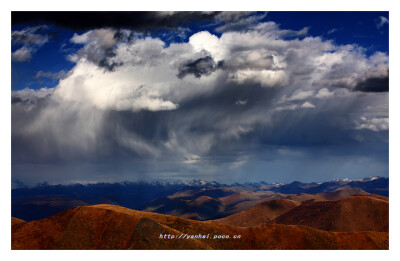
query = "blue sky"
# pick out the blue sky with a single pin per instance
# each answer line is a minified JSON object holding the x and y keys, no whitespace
{"x":226,"y":96}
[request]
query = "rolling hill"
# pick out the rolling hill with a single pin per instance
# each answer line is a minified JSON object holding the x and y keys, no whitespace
{"x":207,"y":204}
{"x":260,"y":214}
{"x":15,"y":221}
{"x":354,"y":213}
{"x":115,"y":227}
{"x":268,"y":210}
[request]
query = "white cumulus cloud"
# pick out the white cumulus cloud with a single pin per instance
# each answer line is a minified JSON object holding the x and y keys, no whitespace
{"x":308,"y":105}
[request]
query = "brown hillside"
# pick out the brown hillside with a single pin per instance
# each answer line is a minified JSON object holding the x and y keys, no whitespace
{"x":15,"y":221}
{"x":114,"y":227}
{"x":355,"y":213}
{"x":304,"y":197}
{"x":260,"y":214}
{"x":243,"y":196}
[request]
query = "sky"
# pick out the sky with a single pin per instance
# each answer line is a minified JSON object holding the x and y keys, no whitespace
{"x":225,"y":96}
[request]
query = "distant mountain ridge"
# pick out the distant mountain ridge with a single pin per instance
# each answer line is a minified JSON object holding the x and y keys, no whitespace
{"x":197,"y":183}
{"x":31,"y":203}
{"x":374,"y":185}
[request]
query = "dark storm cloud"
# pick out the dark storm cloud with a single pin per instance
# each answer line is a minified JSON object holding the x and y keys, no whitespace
{"x":251,"y":127}
{"x":108,"y":65}
{"x":105,"y":60}
{"x":140,"y":21}
{"x":121,"y":35}
{"x":195,"y":119}
{"x":99,"y":47}
{"x":16,"y":100}
{"x":213,"y":118}
{"x":376,"y":84}
{"x":202,"y":66}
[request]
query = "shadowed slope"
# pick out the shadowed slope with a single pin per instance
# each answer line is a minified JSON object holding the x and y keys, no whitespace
{"x":207,"y":204}
{"x":342,"y":193}
{"x":355,"y":213}
{"x":334,"y":195}
{"x":259,"y":214}
{"x":114,"y":227}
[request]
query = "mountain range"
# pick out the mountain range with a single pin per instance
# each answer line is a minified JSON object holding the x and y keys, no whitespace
{"x":198,"y":199}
